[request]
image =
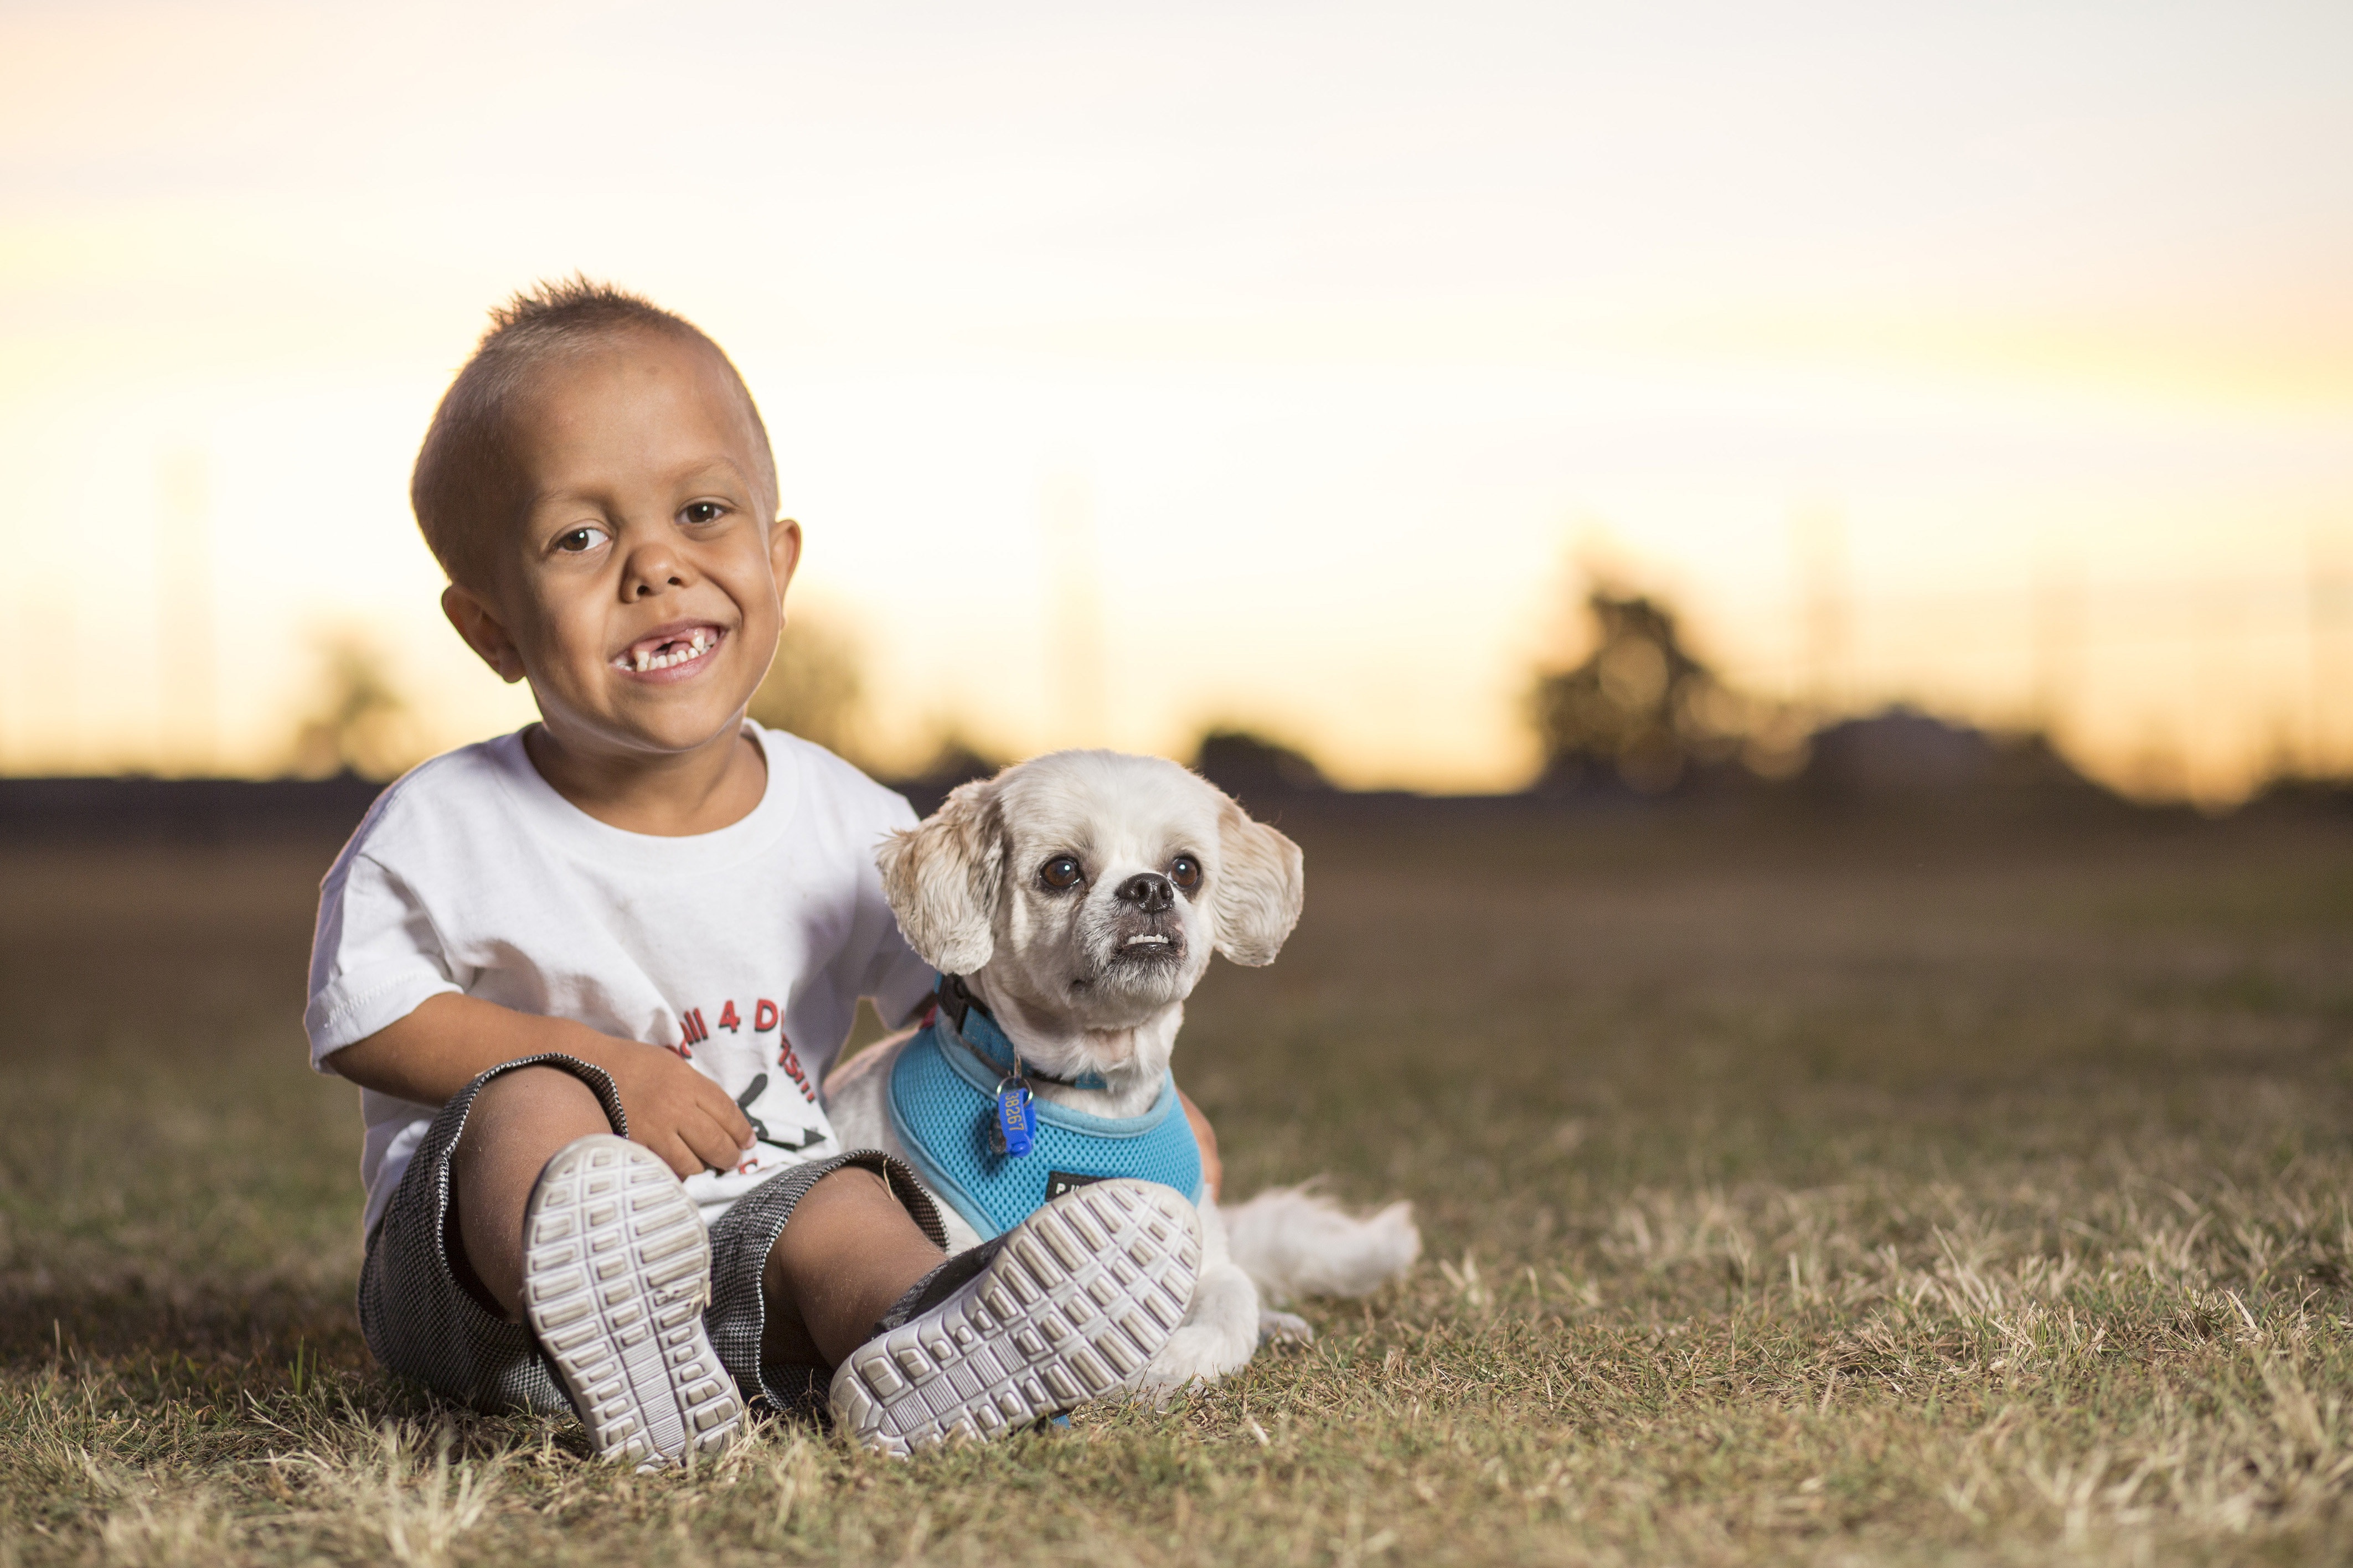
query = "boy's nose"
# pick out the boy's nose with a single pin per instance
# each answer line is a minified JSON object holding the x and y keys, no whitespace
{"x":653,"y":569}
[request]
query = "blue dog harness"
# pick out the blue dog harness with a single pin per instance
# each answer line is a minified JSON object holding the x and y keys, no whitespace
{"x":943,"y":1101}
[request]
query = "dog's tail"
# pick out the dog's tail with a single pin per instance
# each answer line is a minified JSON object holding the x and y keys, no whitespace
{"x":1292,"y":1242}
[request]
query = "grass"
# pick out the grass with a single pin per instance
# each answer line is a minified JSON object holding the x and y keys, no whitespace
{"x":1802,"y":1197}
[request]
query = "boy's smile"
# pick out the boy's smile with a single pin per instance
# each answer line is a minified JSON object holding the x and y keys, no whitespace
{"x":656,"y":655}
{"x":640,"y":585}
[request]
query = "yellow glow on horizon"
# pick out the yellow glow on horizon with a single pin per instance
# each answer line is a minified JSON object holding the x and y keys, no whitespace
{"x":1353,"y":326}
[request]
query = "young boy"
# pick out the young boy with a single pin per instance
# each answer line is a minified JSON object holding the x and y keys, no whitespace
{"x":570,"y":967}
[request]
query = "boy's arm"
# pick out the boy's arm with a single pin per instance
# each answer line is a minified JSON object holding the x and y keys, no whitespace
{"x":450,"y":1040}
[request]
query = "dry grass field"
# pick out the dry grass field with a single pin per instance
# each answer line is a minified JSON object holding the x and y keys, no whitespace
{"x":1800,"y":1196}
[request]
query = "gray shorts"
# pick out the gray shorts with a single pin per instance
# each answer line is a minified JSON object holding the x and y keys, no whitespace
{"x":422,"y":1321}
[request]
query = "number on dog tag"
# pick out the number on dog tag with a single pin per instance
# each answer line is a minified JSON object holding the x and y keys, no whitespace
{"x":1015,"y":1125}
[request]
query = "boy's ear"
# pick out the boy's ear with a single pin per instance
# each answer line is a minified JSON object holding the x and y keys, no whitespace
{"x":483,"y":631}
{"x":943,"y":879}
{"x":1260,"y":889}
{"x":784,"y":552}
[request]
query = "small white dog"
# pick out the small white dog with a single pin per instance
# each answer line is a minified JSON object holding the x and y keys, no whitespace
{"x":1072,"y":902}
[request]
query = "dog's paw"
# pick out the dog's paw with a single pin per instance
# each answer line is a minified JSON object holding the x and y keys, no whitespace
{"x":1283,"y":1329}
{"x":1195,"y":1353}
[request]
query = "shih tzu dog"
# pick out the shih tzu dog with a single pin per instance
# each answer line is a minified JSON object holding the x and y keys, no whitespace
{"x":1070,"y":904}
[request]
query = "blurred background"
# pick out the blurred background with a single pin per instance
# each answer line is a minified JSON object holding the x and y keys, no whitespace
{"x":1459,"y":400}
{"x":1790,"y":565}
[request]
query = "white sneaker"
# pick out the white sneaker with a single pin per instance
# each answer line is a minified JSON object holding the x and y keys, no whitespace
{"x":616,"y":1274}
{"x":1073,"y":1303}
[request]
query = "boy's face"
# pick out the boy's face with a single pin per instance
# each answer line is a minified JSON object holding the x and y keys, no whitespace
{"x":641,"y":587}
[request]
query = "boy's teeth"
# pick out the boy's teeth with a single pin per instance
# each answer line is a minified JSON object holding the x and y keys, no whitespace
{"x":672,"y":650}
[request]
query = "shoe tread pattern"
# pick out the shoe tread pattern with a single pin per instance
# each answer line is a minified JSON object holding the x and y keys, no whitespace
{"x":617,"y":1273}
{"x":1078,"y":1301}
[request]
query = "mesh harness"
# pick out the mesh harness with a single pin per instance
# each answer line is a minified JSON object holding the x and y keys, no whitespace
{"x":943,"y":1100}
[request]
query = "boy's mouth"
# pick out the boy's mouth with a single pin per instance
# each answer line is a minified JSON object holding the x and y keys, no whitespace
{"x":667,"y":649}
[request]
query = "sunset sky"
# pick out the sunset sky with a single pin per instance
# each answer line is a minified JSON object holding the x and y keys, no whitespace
{"x":1311,"y":350}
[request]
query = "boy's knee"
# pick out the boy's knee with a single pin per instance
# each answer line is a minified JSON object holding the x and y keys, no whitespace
{"x":851,"y":1212}
{"x":515,"y":1124}
{"x":853,"y":1184}
{"x":550,"y":1089}
{"x":546,"y":1101}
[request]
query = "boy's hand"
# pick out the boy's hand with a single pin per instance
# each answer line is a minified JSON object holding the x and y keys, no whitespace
{"x":1213,"y":1170}
{"x":450,"y":1040}
{"x":674,"y":1110}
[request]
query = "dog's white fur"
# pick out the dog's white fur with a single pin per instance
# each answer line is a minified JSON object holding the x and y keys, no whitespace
{"x":1095,"y":977}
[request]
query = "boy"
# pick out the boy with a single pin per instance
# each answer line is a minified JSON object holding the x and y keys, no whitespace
{"x":574,"y":965}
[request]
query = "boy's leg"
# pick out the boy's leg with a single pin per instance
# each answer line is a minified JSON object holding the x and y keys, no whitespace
{"x":851,"y":1251}
{"x":520,"y":1119}
{"x":422,"y":1310}
{"x":522,"y":1195}
{"x":811,"y":1249}
{"x":831,"y":1293}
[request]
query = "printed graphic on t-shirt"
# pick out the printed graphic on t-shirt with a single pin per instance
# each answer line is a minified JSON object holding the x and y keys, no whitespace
{"x":750,"y":1056}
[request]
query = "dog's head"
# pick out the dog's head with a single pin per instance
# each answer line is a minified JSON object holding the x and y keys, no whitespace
{"x":1093,"y":884}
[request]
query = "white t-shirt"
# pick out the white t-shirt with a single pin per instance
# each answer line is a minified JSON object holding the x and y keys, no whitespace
{"x":746,"y":950}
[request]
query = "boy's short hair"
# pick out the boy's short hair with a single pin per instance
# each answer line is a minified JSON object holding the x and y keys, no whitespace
{"x":463,"y":461}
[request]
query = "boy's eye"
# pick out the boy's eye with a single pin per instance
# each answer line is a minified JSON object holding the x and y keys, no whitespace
{"x":704,"y":511}
{"x":1061,"y":872}
{"x":580,"y":539}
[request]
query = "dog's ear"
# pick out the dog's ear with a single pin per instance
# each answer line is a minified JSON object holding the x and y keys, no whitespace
{"x":941,"y":879}
{"x":1262,"y":884}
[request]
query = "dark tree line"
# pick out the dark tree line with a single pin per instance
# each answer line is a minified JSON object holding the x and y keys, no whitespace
{"x":1642,"y":712}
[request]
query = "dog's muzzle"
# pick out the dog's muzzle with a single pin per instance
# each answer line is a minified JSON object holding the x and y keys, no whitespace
{"x":1148,"y":944}
{"x":1148,"y":929}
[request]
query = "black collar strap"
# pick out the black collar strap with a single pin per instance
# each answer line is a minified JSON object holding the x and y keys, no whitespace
{"x":956,"y":1000}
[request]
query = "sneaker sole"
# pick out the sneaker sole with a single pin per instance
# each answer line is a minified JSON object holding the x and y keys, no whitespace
{"x":1079,"y":1300}
{"x":616,"y":1274}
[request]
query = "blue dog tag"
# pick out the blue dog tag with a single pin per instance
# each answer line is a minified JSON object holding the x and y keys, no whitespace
{"x":1015,"y":1125}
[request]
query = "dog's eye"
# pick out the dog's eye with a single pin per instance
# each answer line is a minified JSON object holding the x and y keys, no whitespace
{"x":1061,"y":871}
{"x":1186,"y":872}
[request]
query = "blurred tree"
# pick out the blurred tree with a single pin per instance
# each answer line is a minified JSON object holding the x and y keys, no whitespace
{"x":362,"y":725}
{"x":956,"y":760}
{"x":817,"y":687}
{"x":1252,"y":768}
{"x":1641,"y":709}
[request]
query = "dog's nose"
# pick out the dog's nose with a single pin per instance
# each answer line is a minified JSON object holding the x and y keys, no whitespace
{"x":1149,"y":891}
